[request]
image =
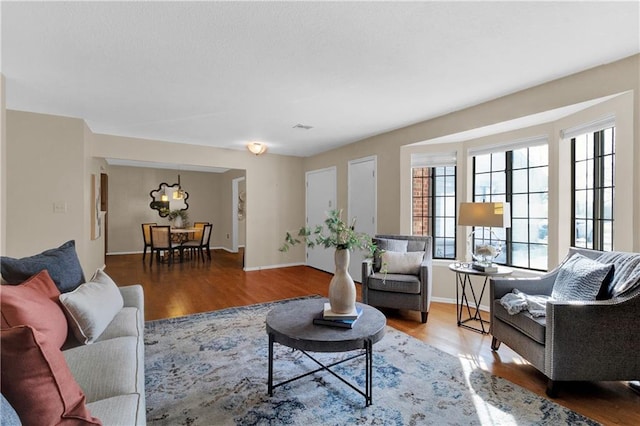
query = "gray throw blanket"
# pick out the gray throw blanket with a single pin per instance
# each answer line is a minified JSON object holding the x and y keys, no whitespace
{"x":518,"y":301}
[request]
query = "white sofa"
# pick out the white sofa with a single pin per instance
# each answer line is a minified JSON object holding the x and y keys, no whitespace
{"x":110,"y":371}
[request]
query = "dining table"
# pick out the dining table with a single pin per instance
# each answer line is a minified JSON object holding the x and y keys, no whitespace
{"x":180,"y":235}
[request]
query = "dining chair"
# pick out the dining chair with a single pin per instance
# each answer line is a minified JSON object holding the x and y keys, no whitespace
{"x":161,"y":240}
{"x":201,"y":244}
{"x":146,"y":237}
{"x":197,"y":235}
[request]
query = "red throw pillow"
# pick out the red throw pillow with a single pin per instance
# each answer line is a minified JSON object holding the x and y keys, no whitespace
{"x":37,"y":382}
{"x":35,"y":303}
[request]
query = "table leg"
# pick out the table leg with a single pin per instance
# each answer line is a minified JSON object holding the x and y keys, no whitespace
{"x":463,"y":301}
{"x":270,"y":380}
{"x":458,"y":301}
{"x":369,"y":373}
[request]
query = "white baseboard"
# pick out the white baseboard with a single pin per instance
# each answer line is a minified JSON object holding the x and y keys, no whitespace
{"x":453,"y":302}
{"x":284,"y":265}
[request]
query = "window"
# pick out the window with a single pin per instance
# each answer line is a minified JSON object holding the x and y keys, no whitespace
{"x":434,"y":207}
{"x":520,"y":177}
{"x":593,"y":159}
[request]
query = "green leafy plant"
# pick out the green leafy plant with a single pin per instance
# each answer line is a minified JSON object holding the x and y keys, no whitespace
{"x":334,"y":232}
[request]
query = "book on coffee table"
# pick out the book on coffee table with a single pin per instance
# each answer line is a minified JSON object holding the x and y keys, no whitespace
{"x":336,"y":322}
{"x":327,"y":313}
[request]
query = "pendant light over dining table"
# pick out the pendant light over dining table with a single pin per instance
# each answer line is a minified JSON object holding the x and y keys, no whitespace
{"x":179,"y":193}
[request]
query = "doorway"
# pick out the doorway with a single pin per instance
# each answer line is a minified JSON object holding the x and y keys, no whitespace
{"x":320,"y":198}
{"x":362,"y":206}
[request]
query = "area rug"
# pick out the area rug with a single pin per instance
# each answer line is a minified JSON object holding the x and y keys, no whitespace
{"x":211,"y":369}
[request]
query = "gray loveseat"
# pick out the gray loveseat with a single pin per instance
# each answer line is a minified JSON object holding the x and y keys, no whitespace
{"x":576,"y":341}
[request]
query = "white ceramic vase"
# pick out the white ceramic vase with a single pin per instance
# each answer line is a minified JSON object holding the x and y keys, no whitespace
{"x":342,"y":289}
{"x":177,"y":222}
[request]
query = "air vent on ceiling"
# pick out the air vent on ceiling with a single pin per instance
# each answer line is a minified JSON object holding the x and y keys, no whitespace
{"x":302,"y":126}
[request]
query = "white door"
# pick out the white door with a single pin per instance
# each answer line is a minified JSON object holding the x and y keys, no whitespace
{"x":362,"y":206}
{"x":321,"y":197}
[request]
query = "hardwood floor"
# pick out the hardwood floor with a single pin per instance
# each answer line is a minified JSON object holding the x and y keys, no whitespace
{"x":193,"y":287}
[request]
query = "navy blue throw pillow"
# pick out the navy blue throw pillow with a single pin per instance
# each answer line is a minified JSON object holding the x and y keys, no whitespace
{"x":62,"y":263}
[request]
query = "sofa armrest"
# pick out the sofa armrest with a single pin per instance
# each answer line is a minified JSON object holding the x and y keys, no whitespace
{"x":133,"y":296}
{"x":538,"y":285}
{"x":367,"y":269}
{"x":596,"y":340}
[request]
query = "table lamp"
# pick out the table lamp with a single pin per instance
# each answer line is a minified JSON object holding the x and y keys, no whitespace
{"x":492,"y":215}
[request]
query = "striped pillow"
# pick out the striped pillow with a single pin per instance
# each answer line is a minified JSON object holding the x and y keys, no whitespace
{"x":580,"y":279}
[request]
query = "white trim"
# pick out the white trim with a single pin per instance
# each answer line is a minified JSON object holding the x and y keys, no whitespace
{"x":284,"y":265}
{"x":509,"y":146}
{"x":590,"y":127}
{"x":234,"y":212}
{"x":438,"y":159}
{"x":450,"y":301}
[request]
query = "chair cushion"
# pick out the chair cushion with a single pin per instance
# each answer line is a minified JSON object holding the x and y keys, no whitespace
{"x":416,"y":245}
{"x":62,"y":263}
{"x":386,"y":244}
{"x":535,"y":328}
{"x":394,"y":262}
{"x":119,"y":365}
{"x":580,"y":279}
{"x":36,"y":380}
{"x":92,"y":306}
{"x":35,"y":303}
{"x":396,"y":283}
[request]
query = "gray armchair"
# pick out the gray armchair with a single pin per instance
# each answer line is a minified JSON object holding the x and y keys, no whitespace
{"x":576,"y":341}
{"x":400,"y":291}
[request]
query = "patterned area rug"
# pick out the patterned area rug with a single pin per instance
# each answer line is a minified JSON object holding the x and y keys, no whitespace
{"x":211,"y":369}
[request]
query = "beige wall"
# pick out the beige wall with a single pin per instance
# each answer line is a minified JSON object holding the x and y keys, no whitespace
{"x":3,"y":168}
{"x":275,"y":184}
{"x":394,"y":184}
{"x":618,"y":77}
{"x":209,"y":201}
{"x":274,"y":187}
{"x":46,"y":164}
{"x":227,"y":214}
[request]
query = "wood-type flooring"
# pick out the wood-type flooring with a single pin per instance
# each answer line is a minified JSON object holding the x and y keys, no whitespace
{"x":193,"y":286}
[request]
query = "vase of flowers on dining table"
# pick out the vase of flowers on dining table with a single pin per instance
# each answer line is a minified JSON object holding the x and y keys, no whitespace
{"x":178,"y":218}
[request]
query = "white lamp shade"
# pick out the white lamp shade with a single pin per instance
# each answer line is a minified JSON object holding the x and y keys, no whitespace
{"x":256,"y":148}
{"x":496,"y":215}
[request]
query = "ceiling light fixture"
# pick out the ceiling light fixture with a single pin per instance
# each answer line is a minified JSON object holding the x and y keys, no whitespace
{"x":256,"y":148}
{"x":179,"y":194}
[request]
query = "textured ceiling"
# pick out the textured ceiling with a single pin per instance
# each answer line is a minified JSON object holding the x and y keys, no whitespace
{"x":225,"y":73}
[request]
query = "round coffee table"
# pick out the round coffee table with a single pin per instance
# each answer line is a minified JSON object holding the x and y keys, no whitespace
{"x":291,"y":325}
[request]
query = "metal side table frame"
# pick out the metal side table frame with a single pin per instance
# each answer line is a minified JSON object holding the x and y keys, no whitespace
{"x":464,"y":286}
